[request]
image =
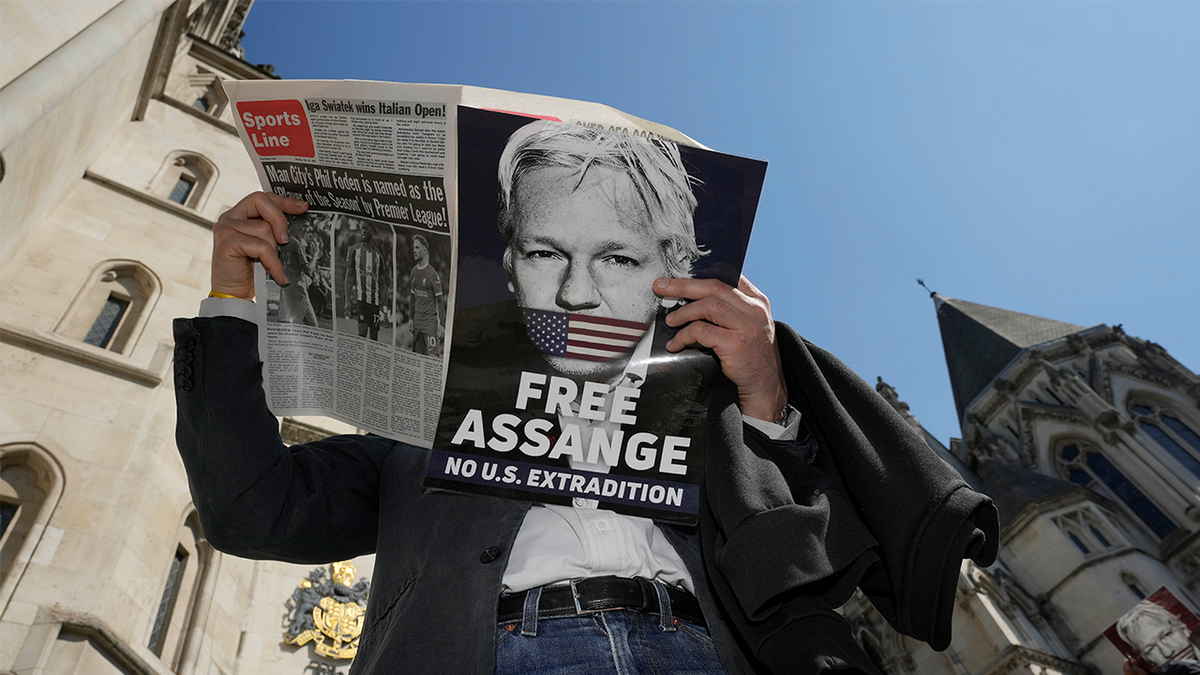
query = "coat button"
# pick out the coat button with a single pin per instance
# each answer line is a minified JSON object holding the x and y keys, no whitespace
{"x":489,"y":554}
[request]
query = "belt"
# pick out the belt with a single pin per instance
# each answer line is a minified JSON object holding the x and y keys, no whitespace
{"x":597,"y":594}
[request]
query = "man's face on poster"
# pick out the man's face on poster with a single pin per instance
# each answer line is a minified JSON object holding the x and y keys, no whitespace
{"x":1157,"y":639}
{"x":584,"y":247}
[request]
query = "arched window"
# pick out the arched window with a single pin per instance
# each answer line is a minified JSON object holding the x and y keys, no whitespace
{"x":185,"y":178}
{"x":31,"y":482}
{"x":180,"y":587}
{"x":1083,"y":464}
{"x":21,"y":497}
{"x":1169,"y":431}
{"x":202,"y":90}
{"x":1086,"y":531}
{"x":113,"y":306}
{"x":1134,"y":585}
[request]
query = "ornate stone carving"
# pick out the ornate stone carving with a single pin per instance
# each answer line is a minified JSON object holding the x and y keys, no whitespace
{"x":231,"y":36}
{"x":988,"y":444}
{"x":1005,"y":386}
{"x":328,"y":611}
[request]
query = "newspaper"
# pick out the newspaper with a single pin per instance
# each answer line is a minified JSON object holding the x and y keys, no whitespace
{"x":375,"y":162}
{"x":1160,"y":634}
{"x":359,"y":333}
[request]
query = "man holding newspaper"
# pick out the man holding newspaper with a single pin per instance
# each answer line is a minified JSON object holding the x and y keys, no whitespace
{"x":471,"y":584}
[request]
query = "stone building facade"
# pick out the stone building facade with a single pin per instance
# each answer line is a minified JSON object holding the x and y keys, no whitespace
{"x":117,"y":154}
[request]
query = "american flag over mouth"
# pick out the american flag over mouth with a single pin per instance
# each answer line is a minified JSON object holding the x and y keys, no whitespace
{"x":580,"y":336}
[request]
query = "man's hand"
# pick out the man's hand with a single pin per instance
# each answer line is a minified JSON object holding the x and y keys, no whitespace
{"x":1131,"y":668}
{"x":736,"y":324}
{"x":251,"y":231}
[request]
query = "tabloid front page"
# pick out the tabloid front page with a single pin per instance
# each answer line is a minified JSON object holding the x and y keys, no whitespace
{"x":358,"y":332}
{"x":438,"y":255}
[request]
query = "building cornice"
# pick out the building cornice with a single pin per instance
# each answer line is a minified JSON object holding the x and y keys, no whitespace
{"x":200,"y":115}
{"x":58,"y":346}
{"x":149,"y":198}
{"x":212,"y":55}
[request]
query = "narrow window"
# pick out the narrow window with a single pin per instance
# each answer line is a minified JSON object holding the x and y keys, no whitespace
{"x":1131,"y":582}
{"x":1079,"y":544}
{"x":186,"y":178}
{"x":106,"y":323}
{"x":182,"y":190}
{"x":8,"y":511}
{"x":166,"y":606}
{"x":201,"y":104}
{"x":1099,"y":537}
{"x":112,"y":307}
{"x":1185,"y":432}
{"x":1170,"y":433}
{"x":1174,"y":449}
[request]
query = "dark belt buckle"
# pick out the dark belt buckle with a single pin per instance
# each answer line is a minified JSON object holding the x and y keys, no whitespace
{"x":575,"y":597}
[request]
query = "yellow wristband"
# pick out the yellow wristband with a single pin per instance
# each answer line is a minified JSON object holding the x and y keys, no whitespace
{"x":215,"y":294}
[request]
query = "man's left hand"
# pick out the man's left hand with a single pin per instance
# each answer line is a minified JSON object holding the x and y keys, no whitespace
{"x":736,"y":324}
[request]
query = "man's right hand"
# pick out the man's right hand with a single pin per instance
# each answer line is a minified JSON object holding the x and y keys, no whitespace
{"x":251,"y":232}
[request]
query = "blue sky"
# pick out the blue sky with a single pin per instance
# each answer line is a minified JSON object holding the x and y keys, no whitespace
{"x":1040,"y":157}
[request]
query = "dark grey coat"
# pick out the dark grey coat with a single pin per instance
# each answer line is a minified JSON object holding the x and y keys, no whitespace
{"x":783,"y":541}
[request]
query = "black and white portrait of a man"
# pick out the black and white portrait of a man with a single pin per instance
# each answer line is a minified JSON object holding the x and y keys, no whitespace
{"x":557,"y":319}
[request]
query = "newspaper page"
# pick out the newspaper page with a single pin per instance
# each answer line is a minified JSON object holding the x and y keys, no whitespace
{"x":560,"y":389}
{"x":1160,"y":634}
{"x":358,"y":333}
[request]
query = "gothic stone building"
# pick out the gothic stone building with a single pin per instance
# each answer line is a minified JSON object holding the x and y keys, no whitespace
{"x":117,"y":154}
{"x":1086,"y":438}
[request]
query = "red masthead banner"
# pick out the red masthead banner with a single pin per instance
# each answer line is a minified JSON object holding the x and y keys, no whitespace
{"x":277,"y":128}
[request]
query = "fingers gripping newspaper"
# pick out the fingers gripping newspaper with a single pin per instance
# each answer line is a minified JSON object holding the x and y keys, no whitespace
{"x":392,"y":305}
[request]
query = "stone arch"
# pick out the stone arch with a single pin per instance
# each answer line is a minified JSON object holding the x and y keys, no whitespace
{"x":1085,"y":463}
{"x":37,"y":483}
{"x":186,"y":177}
{"x":111,"y":309}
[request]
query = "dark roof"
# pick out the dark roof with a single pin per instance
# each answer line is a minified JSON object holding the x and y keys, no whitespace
{"x":1014,"y":488}
{"x":980,"y":341}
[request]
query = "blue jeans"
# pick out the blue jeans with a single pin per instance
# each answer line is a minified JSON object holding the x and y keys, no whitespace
{"x":619,"y":641}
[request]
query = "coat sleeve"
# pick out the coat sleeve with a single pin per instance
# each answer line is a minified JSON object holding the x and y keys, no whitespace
{"x":256,"y":498}
{"x":923,"y":514}
{"x":782,"y":545}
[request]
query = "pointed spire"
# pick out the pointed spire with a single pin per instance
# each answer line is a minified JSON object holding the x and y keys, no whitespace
{"x":980,"y":341}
